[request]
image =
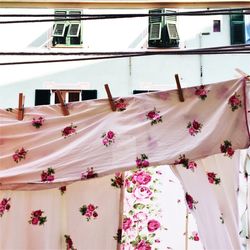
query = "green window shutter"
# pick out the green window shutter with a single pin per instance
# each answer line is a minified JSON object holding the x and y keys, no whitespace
{"x":237,"y":28}
{"x":89,"y":94}
{"x":42,"y":97}
{"x":135,"y":92}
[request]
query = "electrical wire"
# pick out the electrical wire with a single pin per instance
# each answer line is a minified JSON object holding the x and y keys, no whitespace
{"x":137,"y":54}
{"x":128,"y":15}
{"x":233,"y":49}
{"x":236,"y":47}
{"x":78,"y":17}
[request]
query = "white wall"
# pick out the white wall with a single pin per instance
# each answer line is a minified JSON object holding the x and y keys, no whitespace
{"x":123,"y":75}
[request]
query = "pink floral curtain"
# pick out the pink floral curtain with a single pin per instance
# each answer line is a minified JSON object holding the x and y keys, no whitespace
{"x":85,"y":213}
{"x":211,"y":195}
{"x":50,"y":151}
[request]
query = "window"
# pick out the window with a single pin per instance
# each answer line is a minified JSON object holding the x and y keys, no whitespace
{"x":240,"y":28}
{"x":216,"y":26}
{"x":68,"y":32}
{"x":247,"y":27}
{"x":155,"y":31}
{"x":74,"y":29}
{"x":135,"y":92}
{"x":162,"y":30}
{"x":47,"y":96}
{"x":59,"y":29}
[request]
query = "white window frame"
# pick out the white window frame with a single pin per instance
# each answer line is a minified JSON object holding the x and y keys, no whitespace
{"x":78,"y":29}
{"x":54,"y":30}
{"x":169,"y":33}
{"x":150,"y":34}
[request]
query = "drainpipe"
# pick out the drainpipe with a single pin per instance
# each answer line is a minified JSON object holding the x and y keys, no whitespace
{"x":130,"y":74}
{"x":200,"y":56}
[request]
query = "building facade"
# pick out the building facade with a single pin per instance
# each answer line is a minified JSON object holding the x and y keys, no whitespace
{"x":123,"y":75}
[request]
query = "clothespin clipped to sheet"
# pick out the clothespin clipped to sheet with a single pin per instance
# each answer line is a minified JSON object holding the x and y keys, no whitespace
{"x":62,"y":101}
{"x":243,"y":73}
{"x":180,"y":92}
{"x":111,"y":101}
{"x":20,"y":113}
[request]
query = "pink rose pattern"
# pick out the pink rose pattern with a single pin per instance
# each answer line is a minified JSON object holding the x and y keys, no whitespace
{"x":186,"y":163}
{"x":89,"y":174}
{"x":121,"y":105}
{"x":89,"y":211}
{"x":194,"y":236}
{"x":190,"y":201}
{"x":4,"y":206}
{"x":142,"y":161}
{"x":142,"y":192}
{"x":108,"y":138}
{"x":48,"y":176}
{"x":69,"y":130}
{"x":69,"y":243}
{"x":201,"y":92}
{"x":222,"y":218}
{"x":37,"y":123}
{"x":212,"y":178}
{"x":19,"y":155}
{"x":36,"y":218}
{"x":153,"y":225}
{"x":126,"y":224}
{"x":117,"y":181}
{"x":194,"y":127}
{"x":62,"y":189}
{"x":141,"y":177}
{"x":235,"y":102}
{"x":141,"y":219}
{"x":154,"y":117}
{"x":227,"y":149}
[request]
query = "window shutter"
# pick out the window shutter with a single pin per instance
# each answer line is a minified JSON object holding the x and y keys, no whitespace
{"x":237,"y":28}
{"x":42,"y":97}
{"x":89,"y":94}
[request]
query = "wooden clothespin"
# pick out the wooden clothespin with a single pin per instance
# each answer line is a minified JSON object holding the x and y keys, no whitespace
{"x":62,"y":101}
{"x":180,"y":93}
{"x":20,"y":113}
{"x":111,"y":101}
{"x":243,"y":73}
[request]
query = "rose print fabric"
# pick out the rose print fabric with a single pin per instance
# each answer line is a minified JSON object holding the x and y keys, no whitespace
{"x":214,"y":206}
{"x":41,"y":219}
{"x":154,"y":124}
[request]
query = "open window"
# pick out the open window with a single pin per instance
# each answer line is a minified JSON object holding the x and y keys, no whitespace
{"x":48,"y":96}
{"x":240,"y":27}
{"x":59,"y":30}
{"x":162,"y":30}
{"x":237,"y":28}
{"x":155,"y":31}
{"x":67,"y":31}
{"x":74,"y":29}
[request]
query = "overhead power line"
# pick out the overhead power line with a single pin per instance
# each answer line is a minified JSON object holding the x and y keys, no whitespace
{"x":243,"y":49}
{"x":236,"y":47}
{"x":78,"y":17}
